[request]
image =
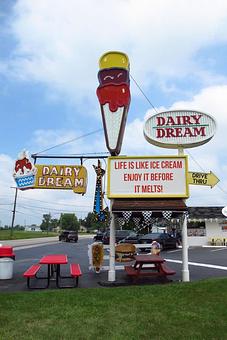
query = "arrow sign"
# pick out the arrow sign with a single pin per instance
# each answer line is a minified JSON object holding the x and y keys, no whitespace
{"x":202,"y":178}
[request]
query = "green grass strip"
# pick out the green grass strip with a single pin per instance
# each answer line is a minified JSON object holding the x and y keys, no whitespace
{"x":17,"y":235}
{"x":170,"y":311}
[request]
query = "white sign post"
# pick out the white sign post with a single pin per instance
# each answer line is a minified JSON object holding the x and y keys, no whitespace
{"x":185,"y":268}
{"x":111,"y":272}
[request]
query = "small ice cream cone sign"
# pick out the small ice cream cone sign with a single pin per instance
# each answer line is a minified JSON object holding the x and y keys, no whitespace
{"x":114,"y":97}
{"x":24,"y":171}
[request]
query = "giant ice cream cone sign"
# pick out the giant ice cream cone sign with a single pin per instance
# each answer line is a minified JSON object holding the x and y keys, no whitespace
{"x":114,"y":97}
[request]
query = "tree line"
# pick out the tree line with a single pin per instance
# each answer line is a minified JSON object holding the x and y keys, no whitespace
{"x":67,"y":221}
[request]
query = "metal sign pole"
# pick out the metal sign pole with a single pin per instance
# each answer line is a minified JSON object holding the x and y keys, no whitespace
{"x":185,"y":270}
{"x":14,"y":212}
{"x":111,"y":272}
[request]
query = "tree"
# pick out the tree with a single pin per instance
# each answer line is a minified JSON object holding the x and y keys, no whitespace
{"x":48,"y":223}
{"x":91,"y":222}
{"x":69,"y":221}
{"x":45,"y":225}
{"x":54,"y":222}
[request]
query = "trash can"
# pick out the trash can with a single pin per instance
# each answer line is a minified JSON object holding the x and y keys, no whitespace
{"x":7,"y":251}
{"x":6,"y":268}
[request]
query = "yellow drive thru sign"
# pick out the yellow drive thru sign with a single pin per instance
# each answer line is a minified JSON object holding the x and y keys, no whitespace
{"x":202,"y":178}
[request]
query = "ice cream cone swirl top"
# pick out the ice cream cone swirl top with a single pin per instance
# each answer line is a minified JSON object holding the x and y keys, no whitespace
{"x":114,"y":59}
{"x":115,"y":95}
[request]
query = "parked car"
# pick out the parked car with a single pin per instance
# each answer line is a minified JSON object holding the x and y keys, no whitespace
{"x":132,"y":238}
{"x":120,"y":235}
{"x":98,"y":237}
{"x":68,"y":236}
{"x":165,"y":240}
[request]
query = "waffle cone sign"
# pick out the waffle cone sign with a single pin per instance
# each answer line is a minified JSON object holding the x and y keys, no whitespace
{"x":114,"y":97}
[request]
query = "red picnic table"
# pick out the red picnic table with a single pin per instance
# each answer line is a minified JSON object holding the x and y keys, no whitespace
{"x":54,"y":262}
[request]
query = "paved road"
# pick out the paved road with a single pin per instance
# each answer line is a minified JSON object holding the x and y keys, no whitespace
{"x":30,"y":242}
{"x":36,"y":241}
{"x":203,"y":262}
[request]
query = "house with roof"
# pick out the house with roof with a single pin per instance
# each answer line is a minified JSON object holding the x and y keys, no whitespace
{"x":32,"y":227}
{"x":206,"y":226}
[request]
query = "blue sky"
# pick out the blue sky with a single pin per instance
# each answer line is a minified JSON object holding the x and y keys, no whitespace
{"x":49,"y":52}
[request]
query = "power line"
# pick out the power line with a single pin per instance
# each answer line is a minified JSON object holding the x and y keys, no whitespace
{"x":69,"y":141}
{"x":218,"y":185}
{"x":143,"y":93}
{"x":55,"y":203}
{"x":50,"y":202}
{"x":32,"y":215}
{"x":195,"y":161}
{"x":5,"y":209}
{"x":48,"y":208}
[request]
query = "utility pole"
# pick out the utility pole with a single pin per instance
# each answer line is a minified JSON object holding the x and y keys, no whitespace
{"x":14,"y":212}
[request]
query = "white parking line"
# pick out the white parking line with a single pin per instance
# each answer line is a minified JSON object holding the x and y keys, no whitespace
{"x":174,"y":251}
{"x":120,"y":267}
{"x":27,"y":260}
{"x":219,"y":249}
{"x":199,"y":264}
{"x":34,"y":245}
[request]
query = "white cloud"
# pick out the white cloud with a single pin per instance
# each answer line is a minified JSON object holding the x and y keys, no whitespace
{"x":59,"y":43}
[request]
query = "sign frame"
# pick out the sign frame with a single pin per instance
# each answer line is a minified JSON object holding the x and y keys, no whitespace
{"x":49,"y":176}
{"x":183,"y":194}
{"x":181,"y":128}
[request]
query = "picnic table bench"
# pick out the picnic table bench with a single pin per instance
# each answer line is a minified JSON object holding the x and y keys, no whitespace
{"x":30,"y":273}
{"x":75,"y":271}
{"x":53,"y":263}
{"x":148,"y":265}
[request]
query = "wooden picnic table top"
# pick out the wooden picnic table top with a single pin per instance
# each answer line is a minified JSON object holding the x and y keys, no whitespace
{"x":143,"y":259}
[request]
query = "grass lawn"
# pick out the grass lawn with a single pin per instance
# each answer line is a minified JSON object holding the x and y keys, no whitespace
{"x":6,"y":234}
{"x":195,"y":310}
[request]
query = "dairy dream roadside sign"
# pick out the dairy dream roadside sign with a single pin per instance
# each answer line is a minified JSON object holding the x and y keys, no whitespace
{"x":179,"y":129}
{"x":67,"y":177}
{"x":147,"y":177}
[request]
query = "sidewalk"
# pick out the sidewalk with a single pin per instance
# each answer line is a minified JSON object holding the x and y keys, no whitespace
{"x":89,"y":279}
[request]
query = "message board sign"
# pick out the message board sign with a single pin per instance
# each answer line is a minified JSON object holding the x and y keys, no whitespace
{"x":147,"y":177}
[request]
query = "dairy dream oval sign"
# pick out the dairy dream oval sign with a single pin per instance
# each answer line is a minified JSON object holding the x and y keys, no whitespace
{"x":179,"y":128}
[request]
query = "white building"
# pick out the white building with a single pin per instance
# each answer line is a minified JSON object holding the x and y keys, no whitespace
{"x":32,"y":227}
{"x":206,"y":225}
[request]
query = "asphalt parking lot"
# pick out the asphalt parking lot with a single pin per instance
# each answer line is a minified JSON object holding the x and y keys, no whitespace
{"x":203,"y":263}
